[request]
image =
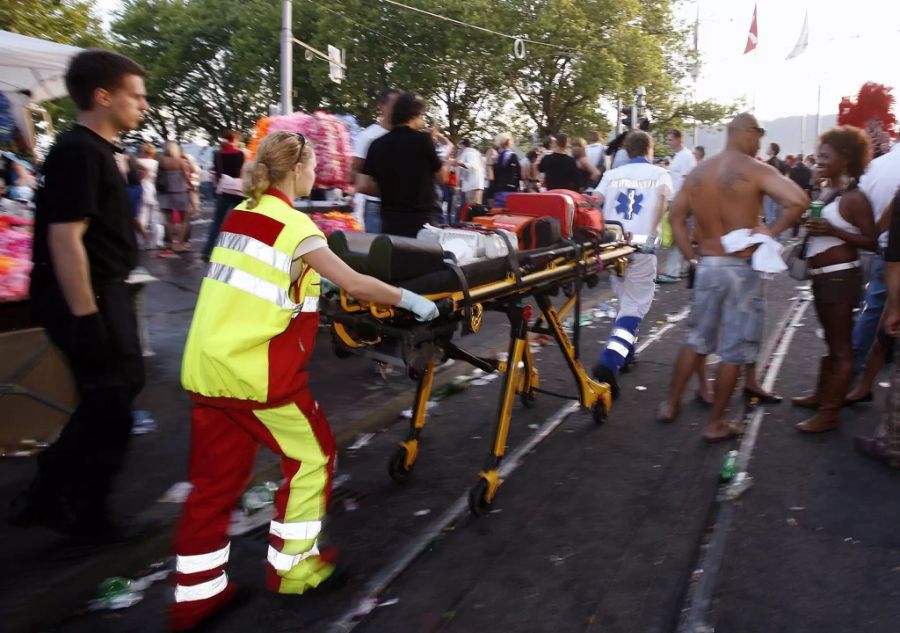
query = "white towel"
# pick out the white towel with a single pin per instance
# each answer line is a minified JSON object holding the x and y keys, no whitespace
{"x":766,"y":258}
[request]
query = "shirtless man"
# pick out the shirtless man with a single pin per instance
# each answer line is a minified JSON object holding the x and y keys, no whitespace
{"x":725,"y":193}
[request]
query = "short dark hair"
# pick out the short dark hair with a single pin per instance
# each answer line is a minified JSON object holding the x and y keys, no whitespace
{"x":775,"y":147}
{"x":230,"y":135}
{"x":676,"y":133}
{"x":94,"y":69}
{"x":562,"y":140}
{"x":466,"y":142}
{"x":637,"y":143}
{"x":548,"y":140}
{"x":700,"y":150}
{"x":385,"y":95}
{"x":408,"y":106}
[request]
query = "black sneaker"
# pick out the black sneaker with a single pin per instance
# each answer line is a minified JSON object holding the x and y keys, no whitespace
{"x":31,"y":508}
{"x":602,"y":373}
{"x":106,"y":531}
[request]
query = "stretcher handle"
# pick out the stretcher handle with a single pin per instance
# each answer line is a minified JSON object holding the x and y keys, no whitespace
{"x":444,"y":306}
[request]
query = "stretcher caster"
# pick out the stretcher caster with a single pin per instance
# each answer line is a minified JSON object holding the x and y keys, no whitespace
{"x":401,"y":463}
{"x":527,"y":398}
{"x":482,"y":494}
{"x":598,"y":411}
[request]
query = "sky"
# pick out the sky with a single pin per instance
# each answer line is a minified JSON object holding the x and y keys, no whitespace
{"x":849,"y":43}
{"x":846,"y":49}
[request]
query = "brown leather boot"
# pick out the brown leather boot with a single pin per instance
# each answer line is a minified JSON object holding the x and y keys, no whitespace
{"x":811,"y":401}
{"x":831,"y":400}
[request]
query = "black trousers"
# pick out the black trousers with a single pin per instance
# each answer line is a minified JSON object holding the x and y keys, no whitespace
{"x":79,"y":467}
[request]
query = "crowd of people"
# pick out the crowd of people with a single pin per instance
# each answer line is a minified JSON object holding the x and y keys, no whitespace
{"x":256,"y":318}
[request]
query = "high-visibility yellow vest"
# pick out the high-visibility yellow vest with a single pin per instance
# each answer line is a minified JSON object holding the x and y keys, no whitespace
{"x":253,"y":330}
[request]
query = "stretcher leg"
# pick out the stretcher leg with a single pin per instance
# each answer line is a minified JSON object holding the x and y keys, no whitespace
{"x":482,"y":493}
{"x":404,"y":458}
{"x":593,"y":395}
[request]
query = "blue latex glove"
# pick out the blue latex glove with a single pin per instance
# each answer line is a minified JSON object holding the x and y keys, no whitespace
{"x":423,"y":308}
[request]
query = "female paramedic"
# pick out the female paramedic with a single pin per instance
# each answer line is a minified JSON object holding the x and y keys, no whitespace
{"x":244,"y":365}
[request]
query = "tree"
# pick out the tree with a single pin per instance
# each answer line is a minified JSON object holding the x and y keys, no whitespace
{"x":72,"y":22}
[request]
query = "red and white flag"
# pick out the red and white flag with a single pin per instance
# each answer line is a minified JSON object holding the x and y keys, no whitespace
{"x":753,"y":35}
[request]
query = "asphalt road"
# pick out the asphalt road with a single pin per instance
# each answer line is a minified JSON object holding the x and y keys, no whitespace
{"x":600,"y":528}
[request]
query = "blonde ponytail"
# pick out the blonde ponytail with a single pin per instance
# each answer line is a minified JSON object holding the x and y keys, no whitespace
{"x":276,"y":157}
{"x":256,"y":183}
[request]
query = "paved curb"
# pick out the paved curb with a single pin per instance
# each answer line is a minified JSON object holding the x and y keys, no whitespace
{"x":65,"y":593}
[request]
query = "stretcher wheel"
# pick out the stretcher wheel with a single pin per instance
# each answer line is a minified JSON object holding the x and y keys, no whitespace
{"x":413,"y":374}
{"x":340,"y":351}
{"x":527,"y":398}
{"x":478,"y":503}
{"x":599,"y":412}
{"x":397,"y":466}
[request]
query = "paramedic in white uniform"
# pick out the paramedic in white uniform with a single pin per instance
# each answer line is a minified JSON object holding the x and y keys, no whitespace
{"x":635,"y":194}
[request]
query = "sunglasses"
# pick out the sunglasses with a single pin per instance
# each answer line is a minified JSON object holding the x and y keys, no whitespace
{"x":302,"y":140}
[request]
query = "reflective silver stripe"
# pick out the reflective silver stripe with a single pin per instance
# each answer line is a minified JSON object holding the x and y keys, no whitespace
{"x":618,"y":348}
{"x":202,"y":562}
{"x":203,"y":591}
{"x":302,"y":531}
{"x":310,"y":304}
{"x":259,"y":251}
{"x":242,"y":280}
{"x":286,"y":562}
{"x":625,"y":335}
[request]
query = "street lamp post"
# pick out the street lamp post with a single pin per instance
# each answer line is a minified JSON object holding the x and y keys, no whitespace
{"x":287,"y":57}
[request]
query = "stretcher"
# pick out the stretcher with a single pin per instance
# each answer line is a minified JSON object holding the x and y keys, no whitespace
{"x":463,"y":294}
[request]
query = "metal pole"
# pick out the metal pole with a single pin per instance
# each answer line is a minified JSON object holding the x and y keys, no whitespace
{"x":803,"y":135}
{"x":618,"y":128}
{"x":287,"y":58}
{"x":818,"y":112}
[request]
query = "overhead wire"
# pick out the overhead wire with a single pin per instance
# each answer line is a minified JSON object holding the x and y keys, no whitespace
{"x":478,"y":28}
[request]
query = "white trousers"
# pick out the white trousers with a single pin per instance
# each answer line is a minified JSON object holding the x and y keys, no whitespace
{"x":635,"y":289}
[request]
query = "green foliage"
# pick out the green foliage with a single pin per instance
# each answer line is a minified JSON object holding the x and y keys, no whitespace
{"x":72,"y":22}
{"x":214,"y":63}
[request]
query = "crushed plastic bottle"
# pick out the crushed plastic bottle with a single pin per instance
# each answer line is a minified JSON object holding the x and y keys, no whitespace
{"x":116,"y":593}
{"x":738,"y":486}
{"x":258,"y":497}
{"x":455,"y":386}
{"x":729,"y":466}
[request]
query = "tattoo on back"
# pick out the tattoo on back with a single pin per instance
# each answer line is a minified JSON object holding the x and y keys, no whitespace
{"x":732,"y":178}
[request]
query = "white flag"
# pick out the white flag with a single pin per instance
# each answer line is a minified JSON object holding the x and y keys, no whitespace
{"x":803,"y":40}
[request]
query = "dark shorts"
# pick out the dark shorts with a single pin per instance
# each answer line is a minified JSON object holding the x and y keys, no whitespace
{"x":842,"y":286}
{"x":727,"y":310}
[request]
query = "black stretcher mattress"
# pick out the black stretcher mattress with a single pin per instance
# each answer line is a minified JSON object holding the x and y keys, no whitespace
{"x":421,"y":266}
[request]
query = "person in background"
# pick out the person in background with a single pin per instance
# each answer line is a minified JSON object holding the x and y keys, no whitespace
{"x":402,"y":168}
{"x":507,"y":171}
{"x":596,"y":153}
{"x":884,"y":445}
{"x":683,"y":162}
{"x":879,"y":183}
{"x":84,"y":250}
{"x":367,"y":208}
{"x":20,"y":183}
{"x":587,"y":174}
{"x":531,"y":176}
{"x":172,"y":187}
{"x":246,"y":369}
{"x":471,"y":167}
{"x":699,"y":153}
{"x":490,"y":155}
{"x":801,"y":174}
{"x":635,"y":194}
{"x":227,"y":168}
{"x":847,"y":225}
{"x":134,"y":180}
{"x":149,"y":204}
{"x":771,"y":207}
{"x":559,"y":169}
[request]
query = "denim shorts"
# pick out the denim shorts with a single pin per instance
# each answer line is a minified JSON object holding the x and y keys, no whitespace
{"x":727,"y":310}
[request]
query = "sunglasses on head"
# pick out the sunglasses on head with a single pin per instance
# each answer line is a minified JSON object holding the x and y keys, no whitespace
{"x":302,"y":139}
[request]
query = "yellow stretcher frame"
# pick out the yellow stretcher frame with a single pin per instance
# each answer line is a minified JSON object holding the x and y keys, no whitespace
{"x":506,"y":295}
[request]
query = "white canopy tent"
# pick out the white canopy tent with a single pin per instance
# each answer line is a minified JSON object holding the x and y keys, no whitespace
{"x":31,"y":71}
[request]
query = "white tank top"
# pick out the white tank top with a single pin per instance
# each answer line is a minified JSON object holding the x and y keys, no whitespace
{"x":820,"y":244}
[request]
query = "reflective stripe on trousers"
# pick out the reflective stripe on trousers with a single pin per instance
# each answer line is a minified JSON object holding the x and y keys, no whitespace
{"x":202,"y":591}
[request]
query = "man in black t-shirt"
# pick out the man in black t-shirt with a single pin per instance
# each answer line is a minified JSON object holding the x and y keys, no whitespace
{"x":402,"y":167}
{"x":559,"y":169}
{"x":84,"y":249}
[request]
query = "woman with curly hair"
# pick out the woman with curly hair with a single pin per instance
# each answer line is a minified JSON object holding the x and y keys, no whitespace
{"x":847,"y":224}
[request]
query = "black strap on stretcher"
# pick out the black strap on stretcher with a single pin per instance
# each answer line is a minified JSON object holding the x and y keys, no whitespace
{"x":511,"y":260}
{"x":467,"y":296}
